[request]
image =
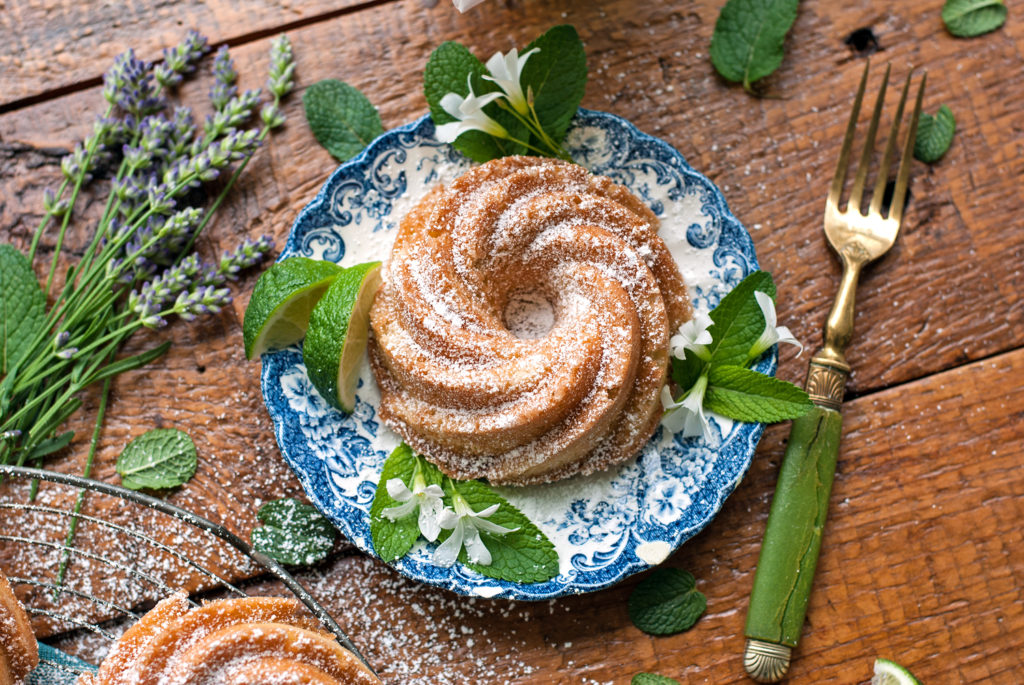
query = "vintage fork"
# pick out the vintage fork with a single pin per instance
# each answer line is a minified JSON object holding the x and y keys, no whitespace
{"x":792,"y":539}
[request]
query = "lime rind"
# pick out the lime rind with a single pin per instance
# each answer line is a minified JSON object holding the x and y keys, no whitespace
{"x":891,"y":673}
{"x":282,"y":301}
{"x":337,"y":334}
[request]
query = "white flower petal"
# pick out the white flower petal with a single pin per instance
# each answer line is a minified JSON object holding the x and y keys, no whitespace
{"x":429,"y":524}
{"x":463,"y":5}
{"x":484,"y":513}
{"x":398,"y":490}
{"x":433,"y":491}
{"x":476,"y":550}
{"x":448,"y":551}
{"x":764,"y":301}
{"x":491,"y":527}
{"x":395,"y":513}
{"x":448,"y":519}
{"x":452,"y":103}
{"x":785,"y":336}
{"x":693,"y":335}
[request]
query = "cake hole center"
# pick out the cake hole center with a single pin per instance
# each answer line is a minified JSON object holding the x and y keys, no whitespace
{"x":529,"y":314}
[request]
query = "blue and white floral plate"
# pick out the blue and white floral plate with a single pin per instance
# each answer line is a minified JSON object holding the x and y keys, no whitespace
{"x":605,"y":526}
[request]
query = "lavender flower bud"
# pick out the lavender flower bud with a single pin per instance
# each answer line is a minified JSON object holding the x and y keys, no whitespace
{"x":271,"y":115}
{"x":183,"y":130}
{"x":11,"y":434}
{"x":54,"y":206}
{"x":74,"y":164}
{"x":128,"y":85}
{"x":236,"y":112}
{"x":159,"y":201}
{"x":282,"y":67}
{"x":181,"y":59}
{"x":203,"y":300}
{"x":225,"y":76}
{"x":155,"y":130}
{"x":249,"y":253}
{"x":67,"y":353}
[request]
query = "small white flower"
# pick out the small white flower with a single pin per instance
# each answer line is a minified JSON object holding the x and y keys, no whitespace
{"x":466,"y":525}
{"x":469,"y":111}
{"x":692,"y":336}
{"x":772,"y":334}
{"x":688,"y":413}
{"x":426,"y":498}
{"x":507,"y":71}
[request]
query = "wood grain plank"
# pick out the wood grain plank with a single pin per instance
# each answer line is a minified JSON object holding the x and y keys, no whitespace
{"x":53,"y":46}
{"x":922,"y":562}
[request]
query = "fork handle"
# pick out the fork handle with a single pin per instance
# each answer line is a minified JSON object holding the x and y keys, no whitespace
{"x":789,"y":553}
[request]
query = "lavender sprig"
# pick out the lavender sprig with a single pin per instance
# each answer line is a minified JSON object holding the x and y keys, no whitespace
{"x":180,"y":60}
{"x":225,"y":76}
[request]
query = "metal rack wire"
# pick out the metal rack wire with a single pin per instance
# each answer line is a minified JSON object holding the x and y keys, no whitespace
{"x":111,"y":594}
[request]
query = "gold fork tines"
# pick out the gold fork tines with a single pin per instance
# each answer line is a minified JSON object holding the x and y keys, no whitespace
{"x":859,"y":238}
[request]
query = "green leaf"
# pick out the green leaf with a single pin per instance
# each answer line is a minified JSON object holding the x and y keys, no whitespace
{"x":22,"y":306}
{"x":342,"y":119}
{"x":446,"y":72}
{"x":747,"y":43}
{"x":685,"y":372}
{"x":738,"y":321}
{"x":394,"y":539}
{"x":558,"y":76}
{"x":747,"y":395}
{"x":652,"y":679}
{"x":293,"y":533}
{"x":159,"y":458}
{"x":969,"y":18}
{"x":934,"y":135}
{"x":523,"y":556}
{"x":666,"y":602}
{"x":51,"y":445}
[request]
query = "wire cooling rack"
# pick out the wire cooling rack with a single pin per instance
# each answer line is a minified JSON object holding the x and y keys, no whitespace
{"x":130,"y":550}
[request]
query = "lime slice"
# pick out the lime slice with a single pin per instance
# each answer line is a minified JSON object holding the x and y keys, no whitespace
{"x":890,"y":673}
{"x":282,"y":301}
{"x":338,"y":329}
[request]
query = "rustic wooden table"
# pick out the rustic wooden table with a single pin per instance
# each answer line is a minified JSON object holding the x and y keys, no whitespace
{"x":923,"y":560}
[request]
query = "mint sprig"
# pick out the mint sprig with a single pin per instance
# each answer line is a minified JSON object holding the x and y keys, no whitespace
{"x":748,"y":40}
{"x":519,"y":553}
{"x":159,"y":458}
{"x":22,"y":306}
{"x":342,"y":119}
{"x":666,"y":602}
{"x":969,"y":18}
{"x":517,"y":103}
{"x":652,"y":679}
{"x":293,"y":533}
{"x":934,"y":135}
{"x":715,"y":376}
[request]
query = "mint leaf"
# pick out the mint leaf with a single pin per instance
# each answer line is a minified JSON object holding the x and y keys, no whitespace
{"x":738,"y":320}
{"x":342,"y":119}
{"x":293,"y":533}
{"x":969,"y":18}
{"x":747,"y":43}
{"x":652,"y":679}
{"x":523,"y":556}
{"x":666,"y":602}
{"x":446,"y":72}
{"x":159,"y":458}
{"x":558,"y":77}
{"x":22,"y":306}
{"x":747,"y":395}
{"x":393,"y":539}
{"x":685,"y":372}
{"x":934,"y":135}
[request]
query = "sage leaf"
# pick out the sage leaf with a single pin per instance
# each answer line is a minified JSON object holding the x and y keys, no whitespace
{"x":652,"y":679}
{"x":393,"y":539}
{"x":747,"y":395}
{"x":523,"y":556}
{"x":934,"y":135}
{"x":969,"y":18}
{"x":159,"y":458}
{"x":446,"y":71}
{"x":342,"y":119}
{"x":22,"y":306}
{"x":557,"y":75}
{"x":293,"y":533}
{"x":738,"y":321}
{"x":666,"y":602}
{"x":747,"y":43}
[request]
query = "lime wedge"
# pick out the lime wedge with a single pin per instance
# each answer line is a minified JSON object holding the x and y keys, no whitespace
{"x":890,"y":673}
{"x":282,"y":301}
{"x":337,"y":335}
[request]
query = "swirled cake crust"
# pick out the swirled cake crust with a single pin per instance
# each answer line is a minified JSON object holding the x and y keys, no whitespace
{"x":482,"y":390}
